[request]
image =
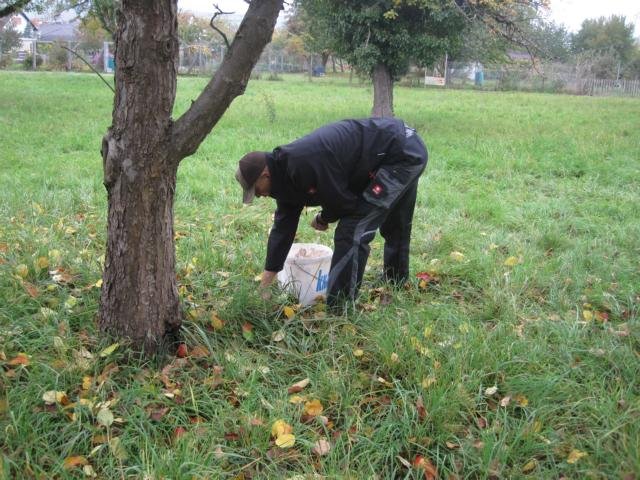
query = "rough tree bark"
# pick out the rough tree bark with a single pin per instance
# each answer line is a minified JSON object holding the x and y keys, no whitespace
{"x":141,"y":152}
{"x":382,"y":92}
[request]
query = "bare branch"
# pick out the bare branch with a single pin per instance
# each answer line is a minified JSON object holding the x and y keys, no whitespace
{"x":229,"y":81}
{"x":216,"y":15}
{"x":90,"y":66}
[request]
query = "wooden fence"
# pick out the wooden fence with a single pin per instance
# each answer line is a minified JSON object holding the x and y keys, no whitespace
{"x":622,"y":88}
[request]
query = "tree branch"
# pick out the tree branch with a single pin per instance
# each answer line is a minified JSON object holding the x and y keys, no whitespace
{"x":230,"y":80}
{"x":13,"y":8}
{"x":90,"y":66}
{"x":216,"y":15}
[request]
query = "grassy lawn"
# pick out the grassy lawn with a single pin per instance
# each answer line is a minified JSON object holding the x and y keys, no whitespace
{"x":520,"y":359}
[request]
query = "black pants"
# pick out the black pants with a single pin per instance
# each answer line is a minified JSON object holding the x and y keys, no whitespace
{"x":387,"y":204}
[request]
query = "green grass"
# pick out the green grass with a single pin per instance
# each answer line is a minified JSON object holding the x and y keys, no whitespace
{"x":549,"y":180}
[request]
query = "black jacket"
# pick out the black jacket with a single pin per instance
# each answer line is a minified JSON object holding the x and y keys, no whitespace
{"x":330,"y":167}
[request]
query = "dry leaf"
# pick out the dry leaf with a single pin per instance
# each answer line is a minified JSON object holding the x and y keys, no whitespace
{"x":109,"y":350}
{"x":521,"y":400}
{"x":31,"y":289}
{"x":278,"y":336}
{"x":575,"y":455}
{"x":52,"y":397}
{"x":428,"y":381}
{"x":358,"y":352}
{"x":491,"y":391}
{"x":529,"y":466}
{"x":422,"y":412}
{"x":73,"y":462}
{"x":279,"y":428}
{"x":321,"y":448}
{"x":216,"y":322}
{"x":430,"y":472}
{"x":511,"y":261}
{"x":288,"y":312}
{"x":451,"y":445}
{"x":505,"y":401}
{"x":105,"y":417}
{"x":20,"y":359}
{"x":296,"y":399}
{"x":298,"y":386}
{"x":89,"y":471}
{"x":313,"y":408}
{"x":286,"y":441}
{"x":199,"y":352}
{"x":457,"y":256}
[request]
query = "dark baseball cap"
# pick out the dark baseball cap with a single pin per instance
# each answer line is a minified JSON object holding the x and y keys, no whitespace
{"x":250,"y":167}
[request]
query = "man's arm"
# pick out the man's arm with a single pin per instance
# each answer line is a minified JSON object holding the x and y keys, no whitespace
{"x":285,"y":225}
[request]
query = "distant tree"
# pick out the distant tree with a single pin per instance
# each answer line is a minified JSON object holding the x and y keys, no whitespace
{"x":382,"y":38}
{"x":550,"y":40}
{"x":606,"y":36}
{"x":9,"y":37}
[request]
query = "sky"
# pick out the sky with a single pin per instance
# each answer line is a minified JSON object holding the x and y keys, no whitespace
{"x":570,"y":13}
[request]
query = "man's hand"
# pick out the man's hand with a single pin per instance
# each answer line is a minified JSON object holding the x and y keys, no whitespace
{"x":266,"y":281}
{"x":319,"y":224}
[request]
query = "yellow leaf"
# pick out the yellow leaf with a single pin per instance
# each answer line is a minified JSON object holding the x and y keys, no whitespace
{"x":73,"y":462}
{"x":86,"y":382}
{"x":521,"y":400}
{"x":288,"y":312}
{"x":313,"y":408}
{"x":42,"y":263}
{"x":22,"y":270}
{"x":428,"y":331}
{"x":428,"y":381}
{"x":296,"y":399}
{"x":286,"y":441}
{"x":575,"y":455}
{"x":89,"y":471}
{"x":457,"y":256}
{"x":216,"y":322}
{"x":587,"y":315}
{"x":394,"y":358}
{"x":529,"y":466}
{"x":98,"y":284}
{"x":55,"y":255}
{"x":512,"y":262}
{"x":358,"y":352}
{"x":279,"y":428}
{"x":109,"y":350}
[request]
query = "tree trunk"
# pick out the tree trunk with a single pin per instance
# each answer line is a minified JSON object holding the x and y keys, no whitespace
{"x":382,"y":92}
{"x":141,"y":152}
{"x":139,"y":296}
{"x":325,"y":58}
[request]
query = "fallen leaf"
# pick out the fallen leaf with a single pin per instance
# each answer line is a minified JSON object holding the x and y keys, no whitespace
{"x":31,"y":289}
{"x":491,"y":391}
{"x":73,"y":462}
{"x":279,"y":428}
{"x":313,"y":408}
{"x":22,"y":270}
{"x":530,"y":466}
{"x":587,"y":315}
{"x":109,"y":350}
{"x":42,"y":263}
{"x":430,"y":471}
{"x":286,"y":441}
{"x":179,"y":432}
{"x":105,"y":417}
{"x":298,"y":386}
{"x":216,"y":322}
{"x":20,"y":359}
{"x":321,"y":448}
{"x":358,"y":352}
{"x":117,"y":450}
{"x":394,"y":358}
{"x":199,"y":352}
{"x":422,"y":412}
{"x":52,"y":397}
{"x":452,"y":446}
{"x":296,"y":399}
{"x":89,"y":471}
{"x":511,"y":261}
{"x":288,"y":312}
{"x":521,"y":400}
{"x":457,"y":256}
{"x":505,"y":401}
{"x":86,"y":382}
{"x":428,"y":381}
{"x":278,"y":335}
{"x":575,"y":455}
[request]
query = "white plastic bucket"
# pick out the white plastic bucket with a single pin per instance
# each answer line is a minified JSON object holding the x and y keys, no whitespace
{"x":306,"y":271}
